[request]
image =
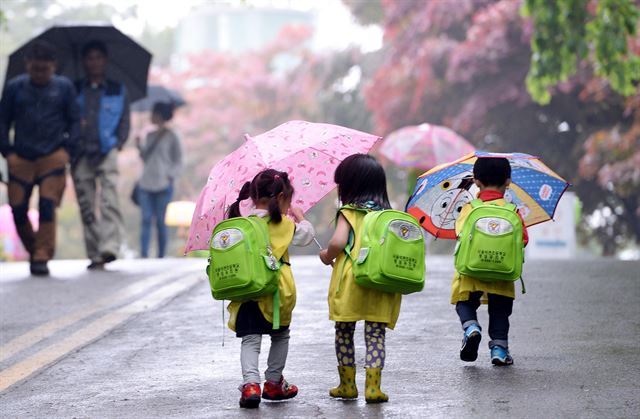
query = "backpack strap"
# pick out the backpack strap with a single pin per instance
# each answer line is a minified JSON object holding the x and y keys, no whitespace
{"x":276,"y":309}
{"x":276,"y":294}
{"x":350,"y":242}
{"x":476,"y":203}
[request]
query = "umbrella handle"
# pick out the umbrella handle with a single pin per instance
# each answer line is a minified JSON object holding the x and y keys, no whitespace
{"x":317,"y":242}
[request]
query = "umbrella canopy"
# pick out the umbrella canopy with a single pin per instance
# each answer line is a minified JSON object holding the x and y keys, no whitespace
{"x":128,"y":61}
{"x":424,"y":146}
{"x":157,"y":93}
{"x":441,"y":192}
{"x":308,"y":152}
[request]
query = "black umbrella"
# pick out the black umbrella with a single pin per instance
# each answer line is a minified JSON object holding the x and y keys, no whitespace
{"x":128,"y":61}
{"x":156,"y":93}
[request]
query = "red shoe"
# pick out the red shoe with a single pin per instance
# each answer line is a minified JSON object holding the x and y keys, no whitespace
{"x":250,"y":397}
{"x":280,"y":390}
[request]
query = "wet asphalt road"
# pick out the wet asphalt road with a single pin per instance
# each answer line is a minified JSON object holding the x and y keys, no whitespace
{"x":145,"y":340}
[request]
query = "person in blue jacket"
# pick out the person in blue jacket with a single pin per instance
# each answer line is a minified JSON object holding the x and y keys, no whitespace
{"x":104,"y":106}
{"x":42,"y":110}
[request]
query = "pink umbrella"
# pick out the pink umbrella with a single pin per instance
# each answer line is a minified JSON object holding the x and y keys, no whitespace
{"x":424,"y":146}
{"x":308,"y":152}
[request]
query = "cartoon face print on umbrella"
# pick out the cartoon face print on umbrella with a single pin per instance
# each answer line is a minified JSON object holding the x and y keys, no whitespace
{"x":521,"y":206}
{"x":443,"y":203}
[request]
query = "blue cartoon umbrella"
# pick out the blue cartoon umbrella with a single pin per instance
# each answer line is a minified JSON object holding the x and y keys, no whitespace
{"x":441,"y":192}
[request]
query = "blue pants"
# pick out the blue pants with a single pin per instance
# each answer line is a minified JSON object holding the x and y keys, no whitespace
{"x":154,"y":205}
{"x":500,"y":308}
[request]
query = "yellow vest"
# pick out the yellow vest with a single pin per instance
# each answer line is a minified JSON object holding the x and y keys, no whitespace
{"x":280,"y":235}
{"x":463,"y":285}
{"x":348,"y":301}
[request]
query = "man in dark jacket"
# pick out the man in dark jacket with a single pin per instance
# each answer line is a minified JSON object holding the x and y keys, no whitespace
{"x":42,"y":109}
{"x":105,"y":128}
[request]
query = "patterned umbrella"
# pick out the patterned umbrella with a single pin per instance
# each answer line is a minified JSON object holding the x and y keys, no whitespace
{"x":441,"y":192}
{"x":308,"y":152}
{"x":424,"y":146}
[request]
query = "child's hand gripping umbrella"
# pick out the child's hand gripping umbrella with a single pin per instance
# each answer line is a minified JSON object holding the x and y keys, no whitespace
{"x":308,"y":152}
{"x":441,"y":192}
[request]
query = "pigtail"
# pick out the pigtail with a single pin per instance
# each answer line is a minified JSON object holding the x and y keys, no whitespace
{"x":274,"y":211}
{"x":234,"y":209}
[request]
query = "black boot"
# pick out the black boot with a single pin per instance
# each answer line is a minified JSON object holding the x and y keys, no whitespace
{"x":39,"y":268}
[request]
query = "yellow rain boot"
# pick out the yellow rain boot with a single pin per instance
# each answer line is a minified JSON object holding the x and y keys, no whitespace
{"x":347,"y":388}
{"x":372,"y":392}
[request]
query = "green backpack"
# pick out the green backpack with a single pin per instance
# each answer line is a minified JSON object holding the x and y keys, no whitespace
{"x":391,"y":256}
{"x":242,"y":266}
{"x":490,"y":247}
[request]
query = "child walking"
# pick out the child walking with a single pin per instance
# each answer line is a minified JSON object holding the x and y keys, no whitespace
{"x":492,"y":176}
{"x":361,"y":188}
{"x":271,"y":192}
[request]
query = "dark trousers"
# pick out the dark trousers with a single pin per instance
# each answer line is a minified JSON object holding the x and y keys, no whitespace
{"x":500,"y":308}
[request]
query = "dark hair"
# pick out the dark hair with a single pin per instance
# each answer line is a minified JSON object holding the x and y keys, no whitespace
{"x":360,"y":178}
{"x":492,"y":171}
{"x":94,"y":45}
{"x":40,"y":50}
{"x":164,"y":110}
{"x":267,"y":184}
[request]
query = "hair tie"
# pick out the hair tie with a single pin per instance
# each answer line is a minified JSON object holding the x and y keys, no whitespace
{"x":276,"y":177}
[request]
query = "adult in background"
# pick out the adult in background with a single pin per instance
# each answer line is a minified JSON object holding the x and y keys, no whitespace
{"x":42,"y":109}
{"x":105,"y":128}
{"x":162,"y":157}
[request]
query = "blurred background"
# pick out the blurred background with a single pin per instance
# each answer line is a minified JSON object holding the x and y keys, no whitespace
{"x":493,"y":71}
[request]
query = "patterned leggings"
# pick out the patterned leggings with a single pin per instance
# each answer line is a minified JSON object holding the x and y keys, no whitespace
{"x":374,"y":334}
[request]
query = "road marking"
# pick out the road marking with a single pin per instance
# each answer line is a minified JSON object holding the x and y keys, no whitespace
{"x":51,"y":327}
{"x":93,"y":331}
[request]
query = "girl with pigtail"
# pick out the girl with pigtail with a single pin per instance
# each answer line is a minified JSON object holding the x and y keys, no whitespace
{"x":271,"y":193}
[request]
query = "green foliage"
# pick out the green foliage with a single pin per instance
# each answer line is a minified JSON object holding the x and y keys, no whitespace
{"x":566,"y":33}
{"x":617,"y":19}
{"x":557,"y":44}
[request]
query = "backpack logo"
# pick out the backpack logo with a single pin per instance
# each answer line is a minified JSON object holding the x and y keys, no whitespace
{"x":404,"y":232}
{"x":224,"y":239}
{"x":494,"y":227}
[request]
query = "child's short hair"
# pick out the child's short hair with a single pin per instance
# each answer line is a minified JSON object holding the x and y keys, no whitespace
{"x":163,"y":110}
{"x":361,"y":179}
{"x":492,"y":171}
{"x":40,"y":50}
